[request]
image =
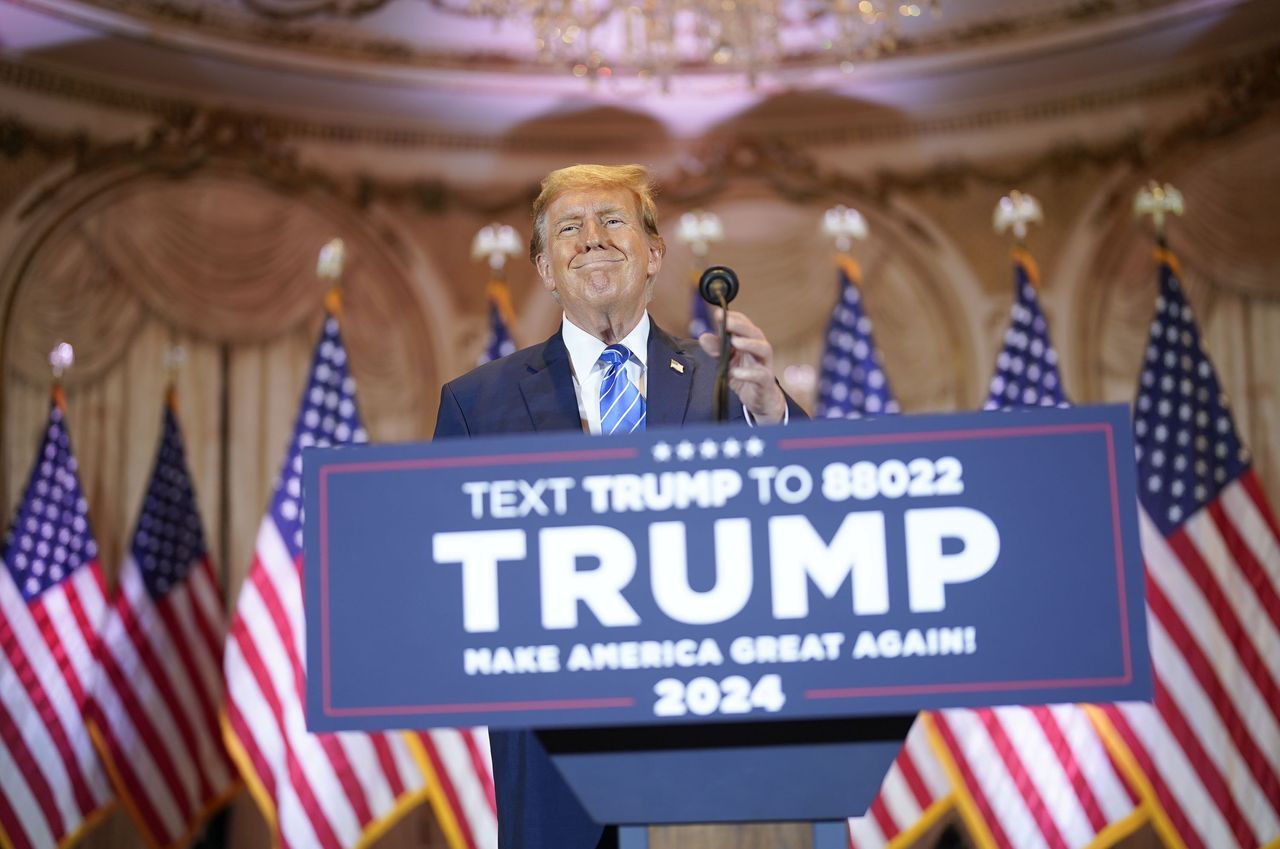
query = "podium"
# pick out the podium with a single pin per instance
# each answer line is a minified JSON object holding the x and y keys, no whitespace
{"x":725,"y":624}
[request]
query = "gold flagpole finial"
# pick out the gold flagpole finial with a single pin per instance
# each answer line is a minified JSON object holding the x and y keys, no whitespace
{"x":844,"y":224}
{"x":1158,"y":201}
{"x":1014,"y":212}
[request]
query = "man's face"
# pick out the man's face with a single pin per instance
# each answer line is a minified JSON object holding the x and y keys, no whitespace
{"x":599,"y":261}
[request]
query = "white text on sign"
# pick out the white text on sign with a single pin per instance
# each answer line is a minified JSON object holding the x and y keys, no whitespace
{"x":798,"y":554}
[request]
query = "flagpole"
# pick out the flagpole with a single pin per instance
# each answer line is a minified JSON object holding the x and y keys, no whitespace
{"x":845,"y":224}
{"x":1013,"y":213}
{"x":851,"y":381}
{"x":1157,"y":201}
{"x":52,"y":564}
{"x":360,"y":783}
{"x":61,"y":358}
{"x":493,"y":244}
{"x":173,"y":361}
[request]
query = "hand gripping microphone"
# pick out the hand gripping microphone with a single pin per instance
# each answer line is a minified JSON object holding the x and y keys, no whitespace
{"x":718,"y":286}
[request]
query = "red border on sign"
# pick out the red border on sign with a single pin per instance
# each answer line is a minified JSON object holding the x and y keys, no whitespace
{"x":786,"y":444}
{"x":441,"y":463}
{"x":801,"y":443}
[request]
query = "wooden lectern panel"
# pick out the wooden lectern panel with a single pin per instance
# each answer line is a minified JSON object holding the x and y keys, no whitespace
{"x":785,"y":835}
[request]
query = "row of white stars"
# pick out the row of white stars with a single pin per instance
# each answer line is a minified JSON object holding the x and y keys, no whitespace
{"x":708,"y":449}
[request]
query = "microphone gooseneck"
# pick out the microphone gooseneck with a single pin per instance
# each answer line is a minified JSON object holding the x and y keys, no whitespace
{"x":719,"y":285}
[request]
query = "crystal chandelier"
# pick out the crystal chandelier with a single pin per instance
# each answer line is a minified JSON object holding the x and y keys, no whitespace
{"x":654,"y":39}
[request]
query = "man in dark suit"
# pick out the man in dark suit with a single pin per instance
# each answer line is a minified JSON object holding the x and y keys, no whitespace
{"x":608,"y":369}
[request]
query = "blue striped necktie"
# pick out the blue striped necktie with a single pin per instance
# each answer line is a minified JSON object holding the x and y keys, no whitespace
{"x":621,"y":404}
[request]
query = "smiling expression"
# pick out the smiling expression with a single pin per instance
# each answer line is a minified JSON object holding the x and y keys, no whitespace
{"x":599,"y":262}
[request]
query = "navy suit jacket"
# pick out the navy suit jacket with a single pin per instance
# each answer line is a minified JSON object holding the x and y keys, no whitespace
{"x":532,"y":391}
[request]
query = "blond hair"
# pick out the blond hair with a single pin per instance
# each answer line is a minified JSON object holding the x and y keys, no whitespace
{"x":634,"y":178}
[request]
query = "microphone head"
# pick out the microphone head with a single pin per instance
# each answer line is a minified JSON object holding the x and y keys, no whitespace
{"x":718,"y":282}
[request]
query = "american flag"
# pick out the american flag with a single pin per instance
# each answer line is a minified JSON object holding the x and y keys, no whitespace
{"x":916,"y":790}
{"x":52,"y":784}
{"x":316,"y":790}
{"x":1207,"y":753}
{"x":459,"y":773}
{"x":1037,"y":776}
{"x":499,"y":343}
{"x":915,"y":793}
{"x":852,"y":383}
{"x":1026,"y":777}
{"x":154,"y":706}
{"x":1027,"y":366}
{"x":456,"y":761}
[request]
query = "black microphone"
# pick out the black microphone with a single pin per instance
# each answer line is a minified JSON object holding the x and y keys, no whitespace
{"x":718,"y":285}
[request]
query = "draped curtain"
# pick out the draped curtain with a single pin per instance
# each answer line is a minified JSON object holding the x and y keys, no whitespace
{"x":225,"y":269}
{"x":223,"y":266}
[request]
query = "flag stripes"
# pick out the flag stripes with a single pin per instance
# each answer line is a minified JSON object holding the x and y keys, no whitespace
{"x":1037,"y":776}
{"x":1043,"y":774}
{"x":154,"y":711}
{"x":457,"y":764}
{"x":853,"y":383}
{"x":53,"y":702}
{"x":153,"y":748}
{"x":1257,"y":743}
{"x":1209,"y":746}
{"x":256,"y":653}
{"x":1103,"y":795}
{"x":1210,"y":676}
{"x":65,"y":758}
{"x":915,"y":792}
{"x":1033,"y":777}
{"x":333,"y":791}
{"x":52,"y":602}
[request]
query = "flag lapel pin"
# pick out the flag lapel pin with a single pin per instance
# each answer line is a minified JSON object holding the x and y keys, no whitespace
{"x":677,"y":366}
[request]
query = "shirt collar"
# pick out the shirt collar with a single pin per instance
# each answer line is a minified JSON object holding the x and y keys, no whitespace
{"x":585,"y":349}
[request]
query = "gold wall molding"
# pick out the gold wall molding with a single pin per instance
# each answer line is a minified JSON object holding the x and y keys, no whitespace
{"x":1241,"y":94}
{"x":1241,"y":79}
{"x":186,"y":139}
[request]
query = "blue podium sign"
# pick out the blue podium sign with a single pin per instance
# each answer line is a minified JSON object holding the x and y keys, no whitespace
{"x":725,"y":574}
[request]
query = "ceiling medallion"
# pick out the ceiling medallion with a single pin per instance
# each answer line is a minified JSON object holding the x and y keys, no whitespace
{"x":655,"y":39}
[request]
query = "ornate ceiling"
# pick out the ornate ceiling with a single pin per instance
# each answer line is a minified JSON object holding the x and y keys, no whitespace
{"x":411,"y":66}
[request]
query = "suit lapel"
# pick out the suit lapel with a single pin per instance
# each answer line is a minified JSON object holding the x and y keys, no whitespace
{"x":669,"y":385}
{"x":548,"y":389}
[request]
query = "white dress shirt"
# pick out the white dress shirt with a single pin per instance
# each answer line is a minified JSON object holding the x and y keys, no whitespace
{"x":588,"y":371}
